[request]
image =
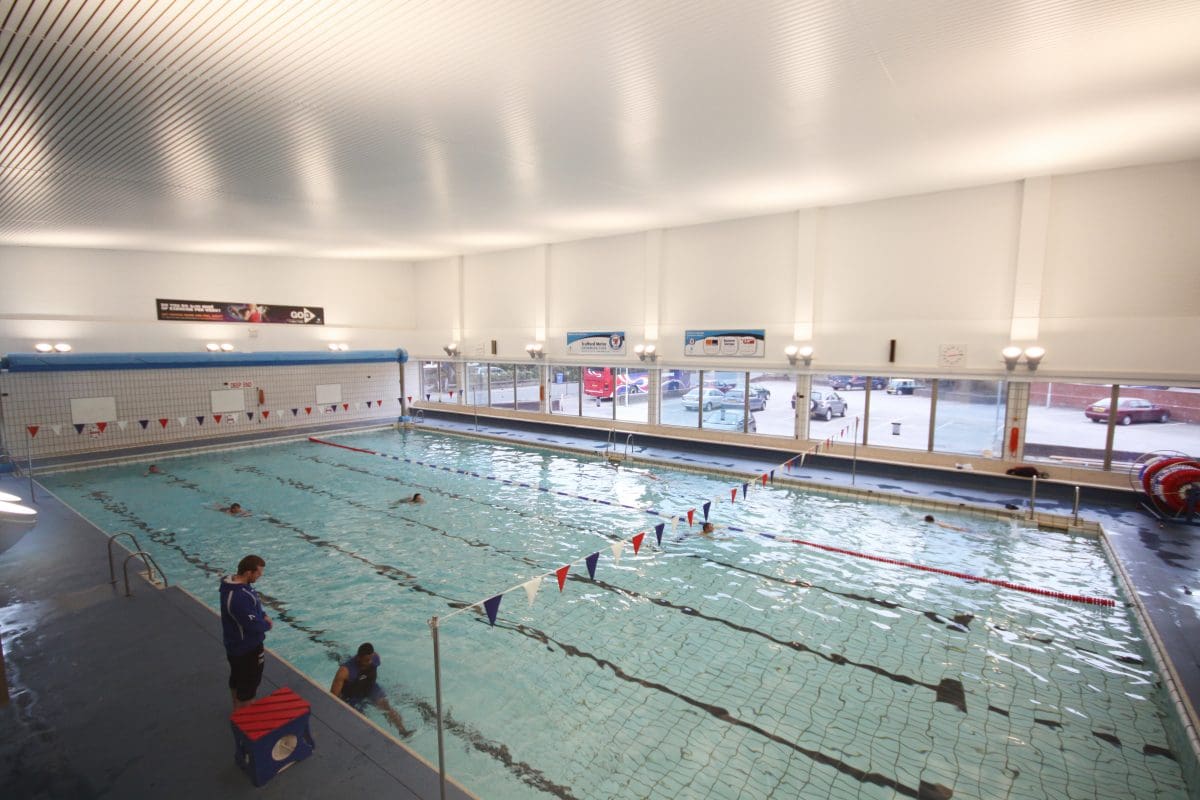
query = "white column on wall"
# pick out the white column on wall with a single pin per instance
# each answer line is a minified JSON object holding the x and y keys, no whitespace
{"x":541,"y":299}
{"x":1031,"y":260}
{"x":808,"y":258}
{"x":651,"y":310}
{"x":458,"y":330}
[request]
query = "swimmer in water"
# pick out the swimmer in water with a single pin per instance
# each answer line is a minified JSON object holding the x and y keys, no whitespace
{"x":946,"y":525}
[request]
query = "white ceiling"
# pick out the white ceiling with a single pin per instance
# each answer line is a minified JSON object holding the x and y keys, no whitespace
{"x":420,"y":128}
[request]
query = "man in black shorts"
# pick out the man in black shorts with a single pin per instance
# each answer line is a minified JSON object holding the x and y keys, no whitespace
{"x":245,"y":627}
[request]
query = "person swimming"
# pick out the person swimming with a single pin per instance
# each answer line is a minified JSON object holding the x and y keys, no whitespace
{"x":234,"y":510}
{"x":417,"y":498}
{"x":946,"y":525}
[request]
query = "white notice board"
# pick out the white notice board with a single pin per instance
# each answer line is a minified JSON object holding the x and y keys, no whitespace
{"x":89,"y":410}
{"x":228,"y":401}
{"x":329,"y":393}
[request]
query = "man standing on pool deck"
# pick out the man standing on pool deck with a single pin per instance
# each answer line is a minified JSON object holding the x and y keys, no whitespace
{"x":245,"y":627}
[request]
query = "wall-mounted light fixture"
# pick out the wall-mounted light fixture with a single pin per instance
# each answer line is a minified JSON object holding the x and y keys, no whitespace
{"x":646,"y":352}
{"x":795,"y":354}
{"x":46,"y":347}
{"x":338,"y":346}
{"x":1012,"y":356}
{"x":452,"y":349}
{"x":535,"y":350}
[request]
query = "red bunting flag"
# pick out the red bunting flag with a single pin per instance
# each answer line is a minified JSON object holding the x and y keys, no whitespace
{"x":102,"y":426}
{"x":561,"y":572}
{"x":691,"y":515}
{"x":451,"y":394}
{"x":733,"y":495}
{"x":379,"y":404}
{"x":764,"y":479}
{"x":217,"y":417}
{"x":637,"y":542}
{"x":266,"y":414}
{"x":33,"y":429}
{"x":308,"y":409}
{"x":409,"y":399}
{"x":163,"y":422}
{"x":345,"y":406}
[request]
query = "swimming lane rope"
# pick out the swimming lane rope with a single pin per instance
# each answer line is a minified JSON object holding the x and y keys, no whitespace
{"x":1075,"y":598}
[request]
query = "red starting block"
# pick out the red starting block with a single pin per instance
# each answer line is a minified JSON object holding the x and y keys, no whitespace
{"x":271,"y":734}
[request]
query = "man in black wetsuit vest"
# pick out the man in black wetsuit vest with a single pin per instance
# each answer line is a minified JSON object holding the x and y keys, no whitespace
{"x":355,"y":684}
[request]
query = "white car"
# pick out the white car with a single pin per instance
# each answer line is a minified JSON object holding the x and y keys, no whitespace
{"x":712,"y":399}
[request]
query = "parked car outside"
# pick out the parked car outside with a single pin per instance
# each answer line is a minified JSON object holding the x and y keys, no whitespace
{"x":712,"y":399}
{"x":762,"y":392}
{"x":826,"y":405}
{"x":843,"y":382}
{"x":736,"y":398}
{"x":729,"y":419}
{"x":1129,"y":411}
{"x":901,"y":386}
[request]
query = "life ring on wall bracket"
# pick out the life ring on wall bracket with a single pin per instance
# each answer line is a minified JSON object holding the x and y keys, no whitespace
{"x":262,"y":398}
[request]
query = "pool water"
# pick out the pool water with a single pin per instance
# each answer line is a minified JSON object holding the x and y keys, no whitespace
{"x":735,"y":666}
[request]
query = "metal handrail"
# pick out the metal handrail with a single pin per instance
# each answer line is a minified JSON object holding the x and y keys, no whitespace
{"x":1033,"y":497}
{"x":628,"y":446}
{"x":150,"y":562}
{"x":112,"y":573}
{"x":418,"y":415}
{"x":1075,"y":512}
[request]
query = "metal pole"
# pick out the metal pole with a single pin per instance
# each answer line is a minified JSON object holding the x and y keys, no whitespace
{"x":854,"y":455}
{"x":29,"y":469}
{"x":1033,"y":497}
{"x":1076,"y":505}
{"x":437,"y":688}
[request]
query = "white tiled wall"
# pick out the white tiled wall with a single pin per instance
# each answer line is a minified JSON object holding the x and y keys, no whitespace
{"x":182,"y":397}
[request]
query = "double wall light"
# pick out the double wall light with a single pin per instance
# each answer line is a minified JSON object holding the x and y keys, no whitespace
{"x":1012,"y":356}
{"x":535,"y":350}
{"x":646,"y":352}
{"x":338,"y":347}
{"x":46,"y":347}
{"x":452,"y":349}
{"x":795,"y":354}
{"x":224,"y":347}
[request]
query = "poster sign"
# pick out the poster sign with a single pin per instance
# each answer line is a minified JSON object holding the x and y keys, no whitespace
{"x":596,"y":343}
{"x":725,"y":343}
{"x":257,"y":313}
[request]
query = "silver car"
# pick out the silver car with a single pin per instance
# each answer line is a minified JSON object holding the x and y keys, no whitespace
{"x":826,"y":405}
{"x":736,"y":398}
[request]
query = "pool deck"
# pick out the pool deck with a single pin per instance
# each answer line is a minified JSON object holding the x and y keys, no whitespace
{"x":115,"y":696}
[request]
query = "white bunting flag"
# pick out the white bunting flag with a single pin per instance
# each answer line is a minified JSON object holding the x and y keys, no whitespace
{"x":183,"y":422}
{"x":123,"y":424}
{"x":616,"y":548}
{"x":531,"y":588}
{"x":57,"y":429}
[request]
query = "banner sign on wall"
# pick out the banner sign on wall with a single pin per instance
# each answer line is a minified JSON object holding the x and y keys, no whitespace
{"x":596,"y":343}
{"x":215,"y":311}
{"x":725,"y":343}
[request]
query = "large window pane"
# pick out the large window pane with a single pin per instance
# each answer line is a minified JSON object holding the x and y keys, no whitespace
{"x":599,"y":388}
{"x":732,"y":414}
{"x":831,"y":410}
{"x":475,"y":390}
{"x":680,"y":387}
{"x":529,"y":387}
{"x":439,"y":381}
{"x":1059,"y":431}
{"x":900,"y":414}
{"x":565,"y":390}
{"x":632,"y":394}
{"x":774,"y":392}
{"x":1155,"y":418}
{"x":970,"y":417}
{"x":501,"y":386}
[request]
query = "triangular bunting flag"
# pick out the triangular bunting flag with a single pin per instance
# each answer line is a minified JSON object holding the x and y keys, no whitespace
{"x":706,"y":507}
{"x":531,"y":588}
{"x":33,"y":429}
{"x":217,"y":417}
{"x":122,"y":424}
{"x":658,"y":529}
{"x":249,"y":415}
{"x":491,"y":606}
{"x":691,"y":515}
{"x":295,"y":411}
{"x":637,"y":542}
{"x":409,"y":399}
{"x":561,"y":572}
{"x":57,"y":429}
{"x":772,"y":476}
{"x":79,"y":426}
{"x":379,"y":403}
{"x":308,"y":409}
{"x":102,"y":426}
{"x":266,"y":414}
{"x":616,"y":548}
{"x":345,"y":406}
{"x":200,"y":420}
{"x":733,"y":495}
{"x":368,"y":404}
{"x":183,"y":422}
{"x":745,"y":488}
{"x":674,"y":525}
{"x":143,"y":423}
{"x":427,"y":396}
{"x":764,"y":479}
{"x":591,"y":564}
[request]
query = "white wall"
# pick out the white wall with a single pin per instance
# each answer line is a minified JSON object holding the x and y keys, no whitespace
{"x":103,"y":300}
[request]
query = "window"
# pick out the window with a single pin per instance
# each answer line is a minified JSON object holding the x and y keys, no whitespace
{"x":899,"y":414}
{"x":632,"y":393}
{"x":680,"y":389}
{"x":529,"y":387}
{"x":439,"y":381}
{"x":1059,"y":428}
{"x":773,"y":391}
{"x":501,"y":380}
{"x":970,"y":417}
{"x":564,"y":391}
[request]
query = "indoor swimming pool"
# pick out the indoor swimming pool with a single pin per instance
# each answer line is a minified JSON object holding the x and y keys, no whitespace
{"x":746,"y":664}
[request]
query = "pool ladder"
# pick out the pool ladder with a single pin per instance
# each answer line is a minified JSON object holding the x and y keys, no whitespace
{"x":151,"y":565}
{"x":610,"y":449}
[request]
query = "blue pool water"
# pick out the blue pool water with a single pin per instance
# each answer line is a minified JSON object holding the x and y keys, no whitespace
{"x":737,"y":666}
